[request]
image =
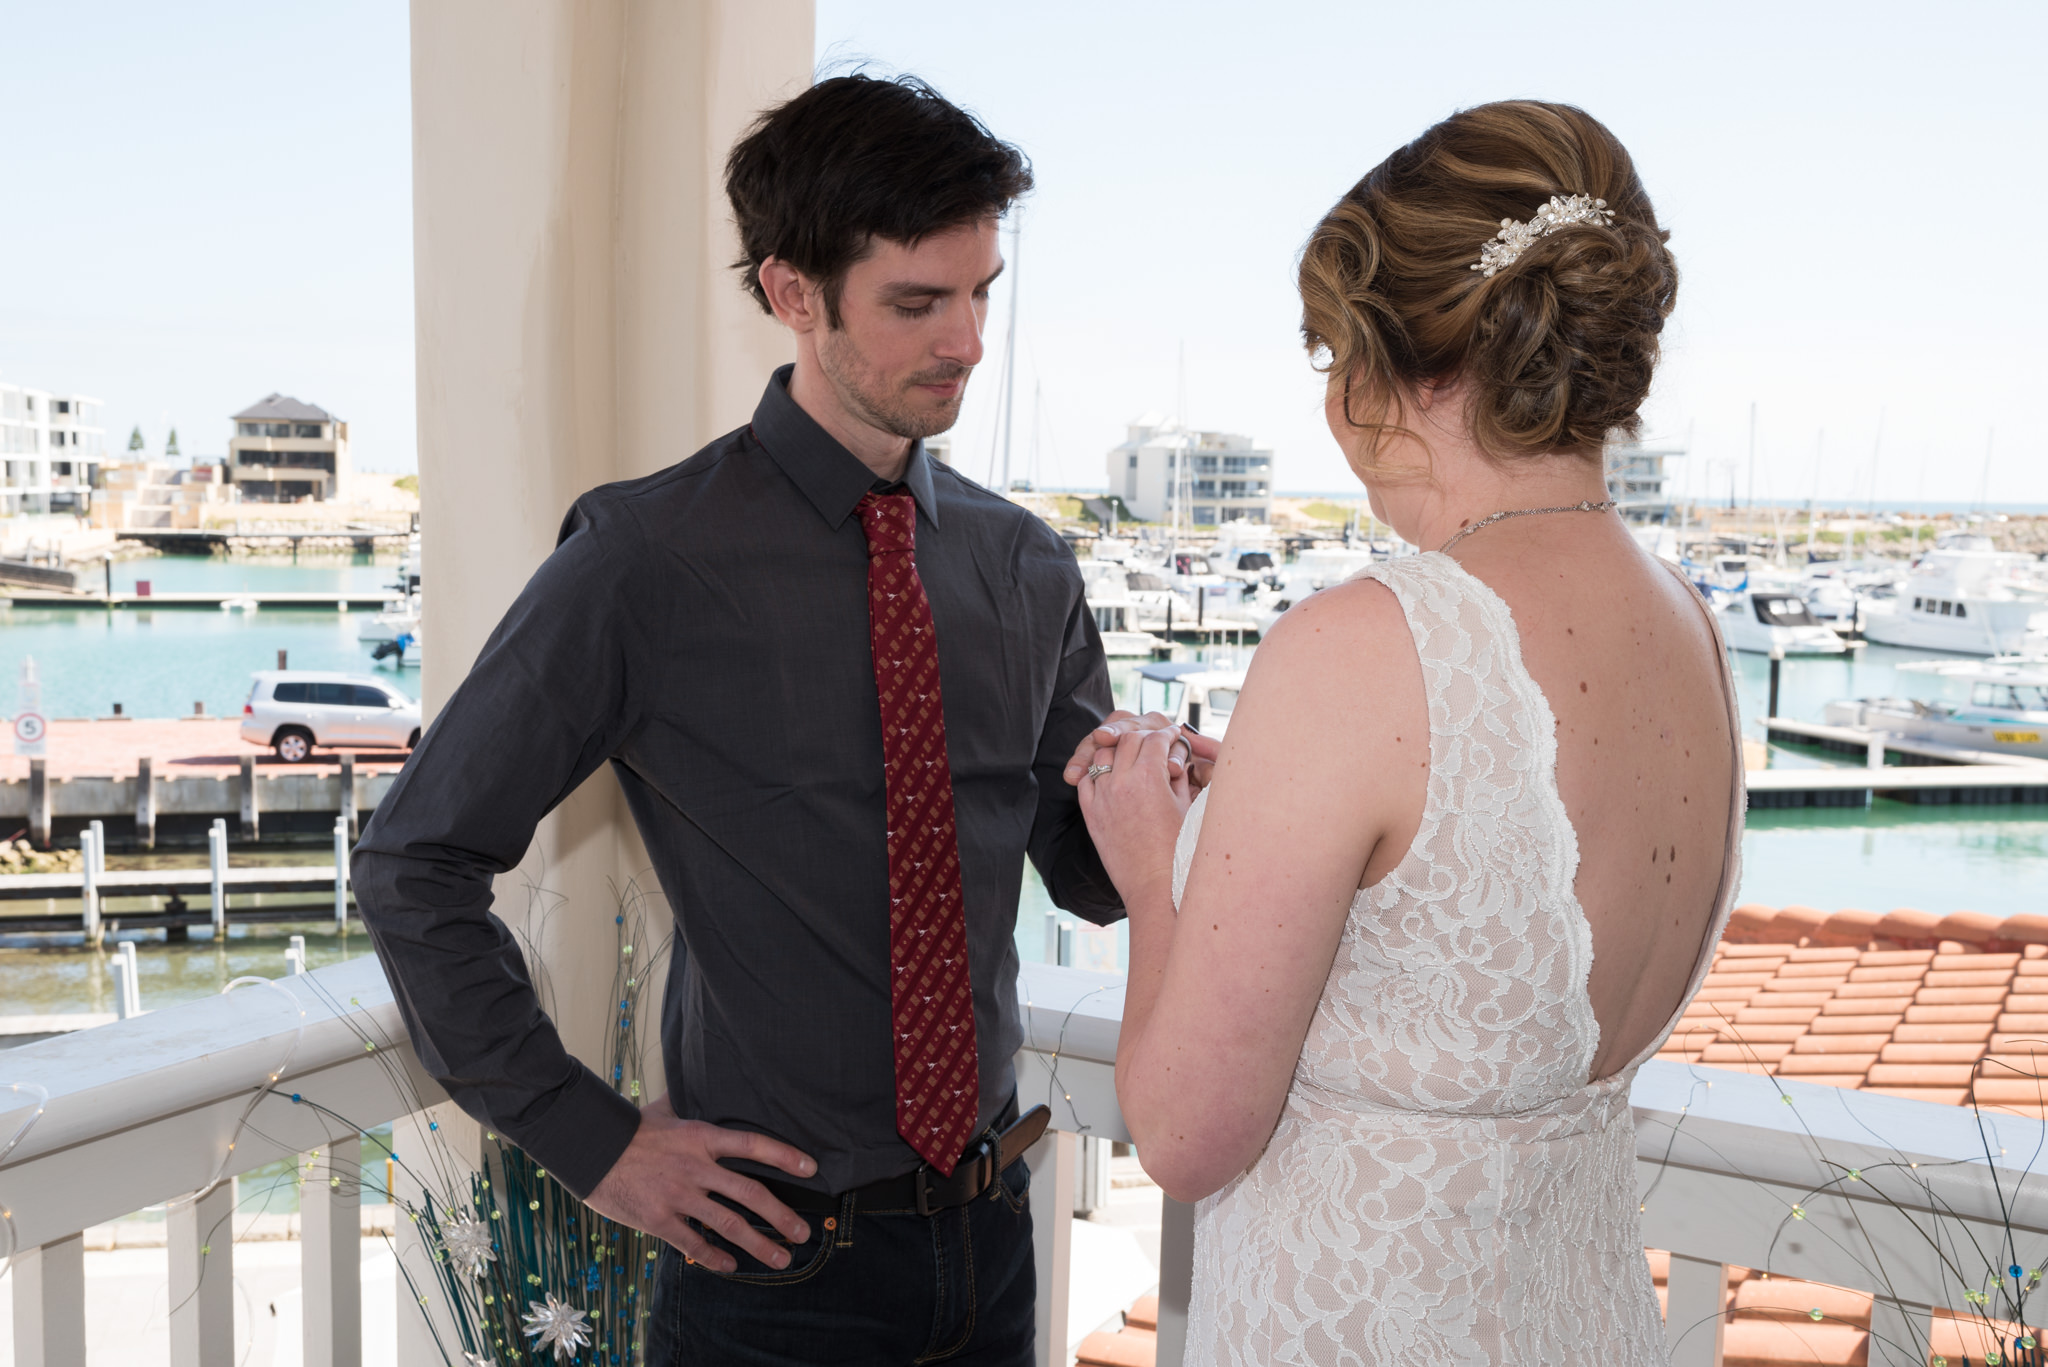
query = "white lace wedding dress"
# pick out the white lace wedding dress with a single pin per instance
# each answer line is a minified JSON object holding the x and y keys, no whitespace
{"x":1445,"y":1185}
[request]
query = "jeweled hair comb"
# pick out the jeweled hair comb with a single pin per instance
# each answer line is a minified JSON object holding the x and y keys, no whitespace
{"x":1514,"y":238}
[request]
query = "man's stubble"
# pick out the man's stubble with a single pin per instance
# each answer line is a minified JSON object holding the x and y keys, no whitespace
{"x":870,"y":395}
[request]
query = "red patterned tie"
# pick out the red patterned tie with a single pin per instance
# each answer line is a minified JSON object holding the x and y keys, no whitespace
{"x":931,"y":999}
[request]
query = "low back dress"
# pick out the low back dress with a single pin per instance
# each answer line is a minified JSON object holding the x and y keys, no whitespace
{"x":1447,"y":1183}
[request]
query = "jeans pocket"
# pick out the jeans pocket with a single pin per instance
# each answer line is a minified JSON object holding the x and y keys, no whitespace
{"x":1012,"y":1187}
{"x":805,"y":1259}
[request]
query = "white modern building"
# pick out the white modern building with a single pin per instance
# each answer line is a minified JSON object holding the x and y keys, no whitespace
{"x":284,"y":451}
{"x":50,"y":447}
{"x":1638,"y":482}
{"x":1164,"y":472}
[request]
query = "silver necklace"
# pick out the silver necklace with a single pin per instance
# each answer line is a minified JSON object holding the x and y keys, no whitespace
{"x":1582,"y":506}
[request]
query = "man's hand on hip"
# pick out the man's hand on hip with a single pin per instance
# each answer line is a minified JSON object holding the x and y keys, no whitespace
{"x":670,"y":1170}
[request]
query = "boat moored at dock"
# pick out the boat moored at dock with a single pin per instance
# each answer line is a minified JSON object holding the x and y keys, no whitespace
{"x":1779,"y":622}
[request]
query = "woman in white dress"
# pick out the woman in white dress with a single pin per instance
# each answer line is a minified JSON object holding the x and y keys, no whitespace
{"x":1473,"y":834}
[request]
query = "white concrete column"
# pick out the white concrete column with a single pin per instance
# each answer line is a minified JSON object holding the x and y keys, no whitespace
{"x":1055,"y":1160}
{"x":49,"y":1304}
{"x":578,"y":323}
{"x":331,"y":1254}
{"x":1694,"y":1324}
{"x":201,"y":1239}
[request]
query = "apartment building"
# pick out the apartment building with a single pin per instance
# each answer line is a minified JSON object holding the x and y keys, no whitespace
{"x":51,"y":446}
{"x":1638,"y":482}
{"x":284,"y":451}
{"x":1165,"y":473}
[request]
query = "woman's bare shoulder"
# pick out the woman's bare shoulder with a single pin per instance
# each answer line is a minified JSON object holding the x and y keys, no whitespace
{"x":1336,"y":658}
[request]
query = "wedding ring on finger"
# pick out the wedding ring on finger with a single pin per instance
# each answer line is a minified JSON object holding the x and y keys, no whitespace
{"x":1098,"y":770}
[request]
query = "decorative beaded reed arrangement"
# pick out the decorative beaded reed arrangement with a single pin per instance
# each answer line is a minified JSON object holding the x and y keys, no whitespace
{"x":525,"y":1270}
{"x":1990,"y":1275}
{"x":1514,"y":238}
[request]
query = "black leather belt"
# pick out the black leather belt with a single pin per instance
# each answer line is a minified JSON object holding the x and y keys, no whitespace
{"x":925,"y":1189}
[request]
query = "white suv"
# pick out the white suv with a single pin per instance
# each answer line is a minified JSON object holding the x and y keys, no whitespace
{"x":293,"y":710}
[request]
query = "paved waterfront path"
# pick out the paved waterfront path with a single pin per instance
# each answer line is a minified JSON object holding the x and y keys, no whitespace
{"x":180,"y":748}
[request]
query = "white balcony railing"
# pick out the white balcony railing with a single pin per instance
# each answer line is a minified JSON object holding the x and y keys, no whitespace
{"x":1912,"y":1201}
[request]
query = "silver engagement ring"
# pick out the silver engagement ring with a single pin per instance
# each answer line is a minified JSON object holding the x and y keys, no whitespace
{"x":1098,"y":770}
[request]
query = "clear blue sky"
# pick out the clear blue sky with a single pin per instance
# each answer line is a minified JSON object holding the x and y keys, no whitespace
{"x":211,"y":201}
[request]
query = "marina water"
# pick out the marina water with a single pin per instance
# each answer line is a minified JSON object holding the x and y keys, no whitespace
{"x":159,"y":661}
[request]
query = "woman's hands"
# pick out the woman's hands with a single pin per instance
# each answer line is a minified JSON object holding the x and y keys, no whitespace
{"x":1134,"y":809}
{"x":1192,"y":751}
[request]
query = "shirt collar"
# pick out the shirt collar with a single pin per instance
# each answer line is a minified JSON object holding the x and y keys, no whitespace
{"x":830,"y":476}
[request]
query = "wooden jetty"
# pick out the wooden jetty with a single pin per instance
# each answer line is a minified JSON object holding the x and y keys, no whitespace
{"x":154,"y":782}
{"x":1928,"y":773}
{"x":94,"y":887}
{"x":337,"y":601}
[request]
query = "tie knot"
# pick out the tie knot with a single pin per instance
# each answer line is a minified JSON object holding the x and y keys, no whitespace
{"x":890,"y":521}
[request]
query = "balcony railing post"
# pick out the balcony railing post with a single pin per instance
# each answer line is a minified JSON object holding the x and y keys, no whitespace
{"x":1900,"y":1334}
{"x":201,"y":1238}
{"x":331,"y":1254}
{"x":1054,"y":1161}
{"x":49,"y":1304}
{"x":447,"y":1153}
{"x":1695,"y":1324}
{"x":1176,"y":1276}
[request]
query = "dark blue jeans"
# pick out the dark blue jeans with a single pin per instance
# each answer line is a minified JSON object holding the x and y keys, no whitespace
{"x":869,"y":1288}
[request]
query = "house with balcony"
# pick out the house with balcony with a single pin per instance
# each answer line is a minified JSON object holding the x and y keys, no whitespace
{"x":1167,"y":473}
{"x":285,"y":451}
{"x":51,"y":447}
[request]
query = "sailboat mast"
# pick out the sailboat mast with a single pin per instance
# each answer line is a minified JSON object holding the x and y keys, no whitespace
{"x":1010,"y":358}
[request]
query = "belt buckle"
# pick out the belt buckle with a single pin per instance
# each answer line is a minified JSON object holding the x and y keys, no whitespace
{"x":982,"y":1172}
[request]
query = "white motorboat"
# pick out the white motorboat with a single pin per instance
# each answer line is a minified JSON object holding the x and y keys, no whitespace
{"x":1196,"y":693}
{"x":1967,"y":598}
{"x":399,"y":617}
{"x":1120,"y":640}
{"x":1312,"y":571}
{"x":1768,"y":622}
{"x":2007,"y":713}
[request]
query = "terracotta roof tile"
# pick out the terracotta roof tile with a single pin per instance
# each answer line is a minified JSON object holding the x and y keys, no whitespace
{"x":1961,"y":996}
{"x":1810,"y":1067}
{"x":1972,"y":1033}
{"x":1940,"y":1096}
{"x":1854,"y":1020}
{"x":1738,"y":1053}
{"x":1953,"y":1013}
{"x":1840,"y":1044}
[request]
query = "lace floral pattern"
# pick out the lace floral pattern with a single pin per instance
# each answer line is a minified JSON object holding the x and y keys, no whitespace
{"x":1444,"y":1184}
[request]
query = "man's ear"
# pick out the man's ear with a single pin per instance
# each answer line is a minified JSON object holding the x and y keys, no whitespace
{"x":797,"y":303}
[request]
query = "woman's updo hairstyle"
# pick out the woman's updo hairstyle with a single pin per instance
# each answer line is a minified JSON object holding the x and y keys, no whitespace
{"x":1556,"y":349}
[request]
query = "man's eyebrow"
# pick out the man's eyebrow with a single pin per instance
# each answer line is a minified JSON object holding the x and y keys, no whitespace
{"x":912,"y":289}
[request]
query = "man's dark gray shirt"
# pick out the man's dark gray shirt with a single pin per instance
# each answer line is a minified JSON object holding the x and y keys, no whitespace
{"x":706,"y":631}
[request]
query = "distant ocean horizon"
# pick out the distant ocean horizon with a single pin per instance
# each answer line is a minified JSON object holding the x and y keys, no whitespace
{"x":1843,"y":508}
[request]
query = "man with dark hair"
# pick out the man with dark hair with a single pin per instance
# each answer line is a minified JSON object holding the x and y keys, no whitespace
{"x":838,"y":683}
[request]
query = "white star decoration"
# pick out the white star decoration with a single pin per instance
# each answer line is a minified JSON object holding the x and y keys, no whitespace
{"x":557,"y":1325}
{"x":468,"y":1244}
